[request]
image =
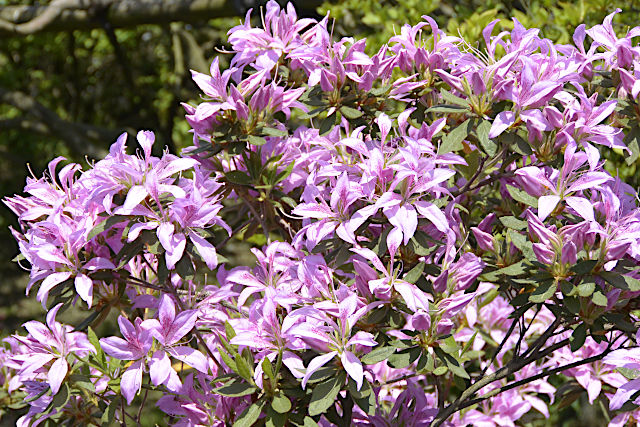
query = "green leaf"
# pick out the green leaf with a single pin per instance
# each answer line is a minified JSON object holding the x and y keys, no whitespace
{"x":236,"y":389}
{"x":621,"y":281}
{"x":324,"y":395}
{"x":544,"y":291}
{"x":482,"y":131}
{"x":517,"y":143}
{"x":238,"y":177}
{"x":404,"y":358}
{"x":274,"y":418}
{"x":513,"y":223}
{"x":130,"y":250}
{"x":447,"y":109}
{"x":228,"y":330}
{"x":584,"y":267}
{"x":285,"y":173}
{"x":105,"y":225}
{"x":599,"y":299}
{"x":586,"y":288}
{"x":350,"y":113}
{"x":18,"y":258}
{"x":61,"y":398}
{"x":468,"y":344}
{"x":450,"y":346}
{"x":109,"y":414}
{"x":516,"y":269}
{"x":522,"y":196}
{"x":440,"y":370}
{"x":454,"y":365}
{"x":256,"y":140}
{"x":184,"y":268}
{"x":327,"y":124}
{"x":572,"y":304}
{"x":453,"y":140}
{"x":250,"y":415}
{"x":228,"y":360}
{"x":628,"y":373}
{"x":274,"y":132}
{"x":377,"y":355}
{"x":309,"y":422}
{"x":281,"y":403}
{"x":452,"y":99}
{"x":322,"y":374}
{"x":365,"y":398}
{"x":415,"y":273}
{"x":82,"y":381}
{"x":578,"y":337}
{"x":244,"y":369}
{"x":632,"y":141}
{"x":93,"y":339}
{"x":522,"y":243}
{"x":267,"y":368}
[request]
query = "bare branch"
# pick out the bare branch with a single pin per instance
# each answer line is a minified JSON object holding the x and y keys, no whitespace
{"x":68,"y":15}
{"x":23,"y":123}
{"x":42,"y":20}
{"x":517,"y":363}
{"x":81,"y":138}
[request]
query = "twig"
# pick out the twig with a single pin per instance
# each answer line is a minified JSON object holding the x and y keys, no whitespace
{"x":536,"y":377}
{"x":500,"y":346}
{"x":513,"y":366}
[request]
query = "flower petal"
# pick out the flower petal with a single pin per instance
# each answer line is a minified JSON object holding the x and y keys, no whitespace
{"x":131,"y":381}
{"x":316,"y":364}
{"x":353,"y":366}
{"x":57,"y":373}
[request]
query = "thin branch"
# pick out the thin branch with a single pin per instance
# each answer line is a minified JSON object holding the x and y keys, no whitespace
{"x":501,"y":345}
{"x":117,"y":48}
{"x":538,"y":376}
{"x":514,"y":365}
{"x":524,"y":332}
{"x":489,"y":180}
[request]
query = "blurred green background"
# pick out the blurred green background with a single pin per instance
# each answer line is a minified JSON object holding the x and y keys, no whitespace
{"x":70,"y":86}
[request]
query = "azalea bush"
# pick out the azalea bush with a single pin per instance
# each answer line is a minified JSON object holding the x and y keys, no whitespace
{"x":436,"y":240}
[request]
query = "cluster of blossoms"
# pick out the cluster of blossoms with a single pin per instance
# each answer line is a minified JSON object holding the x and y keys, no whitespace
{"x":434,"y":229}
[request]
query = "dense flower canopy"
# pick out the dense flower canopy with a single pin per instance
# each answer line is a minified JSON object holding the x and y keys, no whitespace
{"x":434,"y":230}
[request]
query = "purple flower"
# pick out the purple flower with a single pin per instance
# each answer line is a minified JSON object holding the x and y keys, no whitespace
{"x":333,"y":336}
{"x":135,"y":346}
{"x":628,"y":358}
{"x":169,"y":328}
{"x":46,"y":343}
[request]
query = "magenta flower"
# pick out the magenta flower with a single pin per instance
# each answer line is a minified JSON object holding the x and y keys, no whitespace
{"x":186,"y":215}
{"x":333,"y":336}
{"x":334,"y":216}
{"x":628,"y":358}
{"x":51,"y":342}
{"x":382,"y":288}
{"x":263,"y":332}
{"x":274,"y":270}
{"x":169,"y":328}
{"x":568,"y":185}
{"x":135,"y":346}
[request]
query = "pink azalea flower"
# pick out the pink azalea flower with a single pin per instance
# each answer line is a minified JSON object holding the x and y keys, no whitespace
{"x":46,"y":343}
